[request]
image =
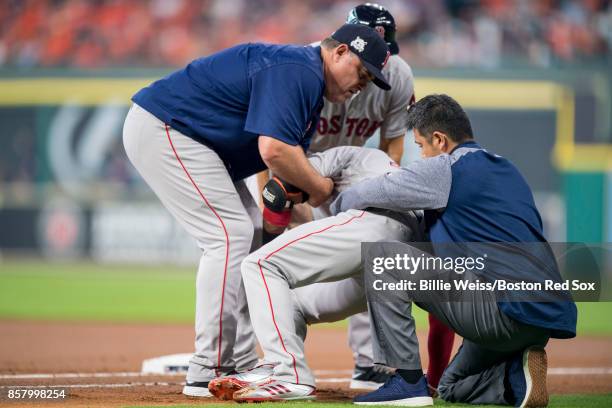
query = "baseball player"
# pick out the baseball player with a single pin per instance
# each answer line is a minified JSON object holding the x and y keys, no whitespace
{"x":468,"y":195}
{"x":197,"y":133}
{"x":353,"y":122}
{"x":325,"y":250}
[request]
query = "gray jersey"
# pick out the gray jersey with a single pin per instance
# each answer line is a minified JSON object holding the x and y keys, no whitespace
{"x":348,"y":165}
{"x":351,"y":123}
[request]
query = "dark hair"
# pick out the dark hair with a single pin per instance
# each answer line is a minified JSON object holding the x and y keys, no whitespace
{"x":440,"y":113}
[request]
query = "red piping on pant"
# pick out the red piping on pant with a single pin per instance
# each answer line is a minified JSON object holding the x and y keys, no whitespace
{"x":227,"y":244}
{"x":297,"y":378}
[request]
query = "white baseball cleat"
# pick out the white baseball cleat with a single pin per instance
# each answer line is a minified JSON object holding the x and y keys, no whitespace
{"x":196,"y":389}
{"x":224,"y":387}
{"x":274,"y":390}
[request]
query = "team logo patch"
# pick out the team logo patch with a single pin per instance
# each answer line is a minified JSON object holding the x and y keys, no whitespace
{"x":359,"y":44}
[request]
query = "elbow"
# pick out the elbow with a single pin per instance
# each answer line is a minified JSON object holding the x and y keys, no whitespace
{"x":269,"y":156}
{"x":270,"y":149}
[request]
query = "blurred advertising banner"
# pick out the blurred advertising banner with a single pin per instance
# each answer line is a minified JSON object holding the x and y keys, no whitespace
{"x":143,"y":233}
{"x":108,"y":232}
{"x":67,"y":188}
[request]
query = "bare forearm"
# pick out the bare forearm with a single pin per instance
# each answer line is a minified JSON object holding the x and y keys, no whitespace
{"x":290,"y":164}
{"x":294,"y":168}
{"x":393,"y":147}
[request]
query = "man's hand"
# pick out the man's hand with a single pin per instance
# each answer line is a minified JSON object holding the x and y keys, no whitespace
{"x":301,"y":214}
{"x":323,"y":194}
{"x":270,"y":230}
{"x":291,"y":165}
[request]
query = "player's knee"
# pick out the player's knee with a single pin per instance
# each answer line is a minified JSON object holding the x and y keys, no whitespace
{"x":250,"y":264}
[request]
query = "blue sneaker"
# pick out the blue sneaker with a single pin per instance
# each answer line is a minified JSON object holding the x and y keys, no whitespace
{"x":396,"y":391}
{"x":527,"y":378}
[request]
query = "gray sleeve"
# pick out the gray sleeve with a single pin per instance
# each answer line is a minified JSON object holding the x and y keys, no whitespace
{"x":422,"y":185}
{"x":331,"y":162}
{"x":402,"y":88}
{"x":316,"y":161}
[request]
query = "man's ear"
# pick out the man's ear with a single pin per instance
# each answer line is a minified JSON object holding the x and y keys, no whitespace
{"x":341,"y":50}
{"x":440,"y":139}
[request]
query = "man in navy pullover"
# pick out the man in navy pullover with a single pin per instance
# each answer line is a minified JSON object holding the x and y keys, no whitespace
{"x":469,"y":195}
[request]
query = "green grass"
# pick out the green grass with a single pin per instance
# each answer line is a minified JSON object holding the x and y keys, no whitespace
{"x":86,"y":291}
{"x":594,"y":318}
{"x":556,"y":401}
{"x":157,"y":294}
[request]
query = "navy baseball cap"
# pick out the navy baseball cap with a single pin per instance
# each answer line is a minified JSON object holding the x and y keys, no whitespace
{"x":371,"y":49}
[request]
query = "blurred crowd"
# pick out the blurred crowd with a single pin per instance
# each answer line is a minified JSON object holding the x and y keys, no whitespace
{"x":431,"y":33}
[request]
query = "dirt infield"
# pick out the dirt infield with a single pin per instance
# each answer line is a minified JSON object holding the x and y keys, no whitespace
{"x":582,"y":365}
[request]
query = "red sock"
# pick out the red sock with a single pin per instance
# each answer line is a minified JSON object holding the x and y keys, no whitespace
{"x":439,"y":346}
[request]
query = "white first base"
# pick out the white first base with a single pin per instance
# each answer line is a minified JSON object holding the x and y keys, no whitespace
{"x":170,"y":364}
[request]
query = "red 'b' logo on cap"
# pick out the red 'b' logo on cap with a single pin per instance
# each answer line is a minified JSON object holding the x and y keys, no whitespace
{"x":386,"y":59}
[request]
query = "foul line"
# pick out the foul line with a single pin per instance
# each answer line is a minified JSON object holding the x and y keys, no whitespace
{"x":128,"y":374}
{"x":125,"y":385}
{"x":81,"y":375}
{"x":551,"y":371}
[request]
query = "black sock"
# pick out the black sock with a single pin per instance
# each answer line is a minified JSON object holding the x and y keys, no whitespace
{"x":410,"y":376}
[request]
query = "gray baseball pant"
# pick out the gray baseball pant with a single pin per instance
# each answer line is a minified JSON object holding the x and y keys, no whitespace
{"x":325,"y":250}
{"x":193,"y":184}
{"x":312,"y":303}
{"x":477,"y":372}
{"x":359,"y":338}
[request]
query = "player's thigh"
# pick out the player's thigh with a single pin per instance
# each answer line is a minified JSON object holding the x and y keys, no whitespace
{"x":192,"y":183}
{"x":325,"y":250}
{"x":206,"y":197}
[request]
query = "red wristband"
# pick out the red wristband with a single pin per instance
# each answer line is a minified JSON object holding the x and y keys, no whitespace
{"x":279,"y":219}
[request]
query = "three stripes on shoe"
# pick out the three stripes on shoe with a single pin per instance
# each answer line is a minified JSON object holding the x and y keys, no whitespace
{"x":276,"y":389}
